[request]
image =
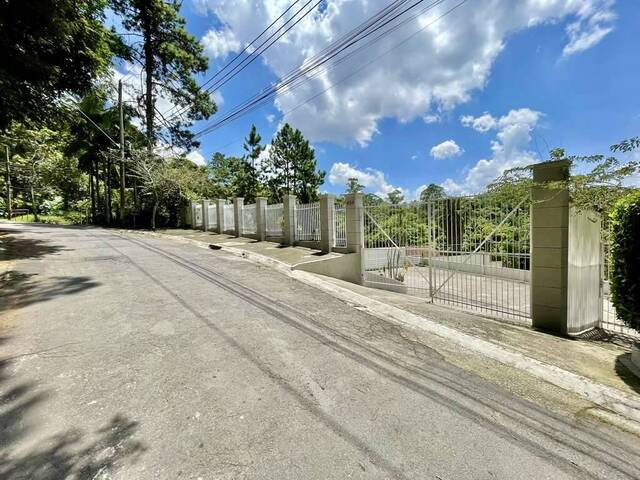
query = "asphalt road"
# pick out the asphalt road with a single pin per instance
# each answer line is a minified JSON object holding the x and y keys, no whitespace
{"x":137,"y":357}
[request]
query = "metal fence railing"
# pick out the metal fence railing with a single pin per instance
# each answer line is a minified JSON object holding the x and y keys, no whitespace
{"x":249,"y":223}
{"x":274,"y":219}
{"x":340,"y":227}
{"x":229,"y":218}
{"x":308,"y":222}
{"x":469,"y":252}
{"x":198,"y":220}
{"x":212,"y":216}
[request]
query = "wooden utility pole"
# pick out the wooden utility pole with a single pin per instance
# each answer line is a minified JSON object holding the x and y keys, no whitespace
{"x":122,"y":198}
{"x":8,"y":171}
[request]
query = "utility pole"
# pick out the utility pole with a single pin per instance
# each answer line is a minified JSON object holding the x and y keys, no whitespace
{"x":122,"y":199}
{"x":8,"y":170}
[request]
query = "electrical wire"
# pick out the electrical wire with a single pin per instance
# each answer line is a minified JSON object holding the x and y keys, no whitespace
{"x":258,"y":100}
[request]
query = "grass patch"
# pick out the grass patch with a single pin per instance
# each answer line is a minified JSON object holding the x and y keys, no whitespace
{"x":70,"y":218}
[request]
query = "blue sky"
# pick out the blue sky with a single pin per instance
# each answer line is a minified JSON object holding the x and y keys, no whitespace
{"x":569,"y":76}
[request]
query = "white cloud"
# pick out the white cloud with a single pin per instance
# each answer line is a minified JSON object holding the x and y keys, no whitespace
{"x":431,"y":118}
{"x":219,"y":43}
{"x":587,"y":31}
{"x":196,"y":157}
{"x":270,"y":118}
{"x":452,"y":188}
{"x":218,"y":98}
{"x":437,"y":69}
{"x":446,"y":149}
{"x":483,"y":123}
{"x":508,"y":151}
{"x":374,"y":180}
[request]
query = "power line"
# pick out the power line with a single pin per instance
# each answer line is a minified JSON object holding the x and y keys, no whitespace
{"x":238,"y":55}
{"x":257,"y":52}
{"x":94,"y":124}
{"x":380,"y":20}
{"x":374,"y":23}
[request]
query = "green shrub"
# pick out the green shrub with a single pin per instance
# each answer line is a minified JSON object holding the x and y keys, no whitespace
{"x":75,"y":217}
{"x":625,"y":259}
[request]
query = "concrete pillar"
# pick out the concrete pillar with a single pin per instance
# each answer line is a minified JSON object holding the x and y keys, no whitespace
{"x":327,"y":224}
{"x":193,"y":215}
{"x":549,"y":247}
{"x":354,"y":209}
{"x":564,"y":256}
{"x":220,"y":213}
{"x":205,"y":215}
{"x":289,"y":214}
{"x":238,"y":203}
{"x":261,"y":218}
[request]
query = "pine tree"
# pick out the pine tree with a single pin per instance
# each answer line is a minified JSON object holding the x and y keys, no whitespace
{"x":169,"y":55}
{"x":291,"y":167}
{"x":249,"y":180}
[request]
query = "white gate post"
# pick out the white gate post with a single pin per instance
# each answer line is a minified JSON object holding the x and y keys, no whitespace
{"x":238,"y":203}
{"x":565,"y":256}
{"x":354,"y":209}
{"x":327,"y":223}
{"x":220,"y":214}
{"x":289,"y":217}
{"x":261,"y":218}
{"x":205,"y":215}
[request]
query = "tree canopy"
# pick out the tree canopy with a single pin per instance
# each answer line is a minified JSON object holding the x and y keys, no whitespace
{"x":50,"y":48}
{"x":291,"y":167}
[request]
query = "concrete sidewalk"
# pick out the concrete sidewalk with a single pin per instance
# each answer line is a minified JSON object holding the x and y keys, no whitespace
{"x":602,"y":362}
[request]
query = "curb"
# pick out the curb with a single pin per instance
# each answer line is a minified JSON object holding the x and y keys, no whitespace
{"x":608,"y":398}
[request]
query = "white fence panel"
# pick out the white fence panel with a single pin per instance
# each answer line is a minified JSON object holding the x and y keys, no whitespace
{"x":212,"y":215}
{"x":249,"y":219}
{"x":198,"y":219}
{"x":340,"y":227}
{"x":308,"y":222}
{"x":274,"y":220}
{"x":229,"y":218}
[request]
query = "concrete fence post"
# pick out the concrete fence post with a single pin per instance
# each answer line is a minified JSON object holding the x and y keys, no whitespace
{"x":193,"y":215}
{"x":354,"y":210}
{"x":565,"y":256}
{"x":261,"y":218}
{"x":205,"y":215}
{"x":289,"y":215}
{"x":238,"y":203}
{"x":220,"y":213}
{"x":327,"y":223}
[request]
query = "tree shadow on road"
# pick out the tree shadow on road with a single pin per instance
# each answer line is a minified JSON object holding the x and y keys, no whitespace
{"x":21,"y":289}
{"x":15,"y":247}
{"x":68,"y":454}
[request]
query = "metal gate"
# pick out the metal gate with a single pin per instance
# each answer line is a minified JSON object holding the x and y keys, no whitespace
{"x":467,"y":252}
{"x":308,"y":222}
